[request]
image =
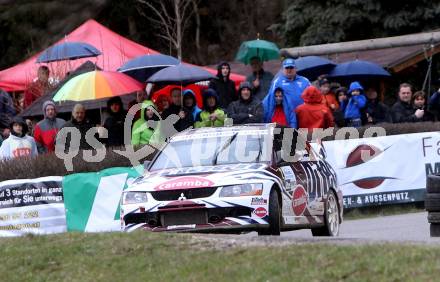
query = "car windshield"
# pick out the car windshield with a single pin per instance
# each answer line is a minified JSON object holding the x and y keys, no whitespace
{"x":198,"y":150}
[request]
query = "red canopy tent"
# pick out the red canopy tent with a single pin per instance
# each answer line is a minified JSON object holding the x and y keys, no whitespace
{"x":116,"y":50}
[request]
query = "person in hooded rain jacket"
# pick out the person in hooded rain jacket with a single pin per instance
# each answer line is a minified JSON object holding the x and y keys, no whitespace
{"x":224,"y":86}
{"x":313,"y":113}
{"x":279,"y":113}
{"x":18,"y":144}
{"x":356,"y":102}
{"x":293,"y":86}
{"x":115,"y":122}
{"x":246,"y":109}
{"x":143,"y":132}
{"x":212,"y":115}
{"x":189,"y":111}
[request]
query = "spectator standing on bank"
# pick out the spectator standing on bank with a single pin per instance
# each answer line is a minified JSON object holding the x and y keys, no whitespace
{"x":376,"y":111}
{"x":143,"y":131}
{"x":80,"y":122}
{"x":246,"y":109}
{"x":18,"y":144}
{"x":39,"y":87}
{"x":163,"y":103}
{"x":176,"y":108}
{"x":402,"y":110}
{"x":115,"y":122}
{"x":293,"y":85}
{"x":356,"y":102}
{"x":338,"y":115}
{"x":212,"y":115}
{"x":434,"y":104}
{"x":278,"y":114}
{"x":260,"y":79}
{"x":418,"y":102}
{"x":328,"y":98}
{"x":7,"y":112}
{"x":190,"y":107}
{"x":313,"y":113}
{"x":45,"y":131}
{"x":223,"y":85}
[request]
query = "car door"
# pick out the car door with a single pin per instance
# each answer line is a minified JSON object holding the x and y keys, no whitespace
{"x":295,"y":178}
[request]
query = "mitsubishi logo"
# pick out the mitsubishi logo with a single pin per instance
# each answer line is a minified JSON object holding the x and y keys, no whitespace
{"x":182,"y":197}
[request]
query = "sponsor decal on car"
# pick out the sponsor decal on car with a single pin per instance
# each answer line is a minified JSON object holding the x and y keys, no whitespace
{"x":184,"y":183}
{"x":258,"y":201}
{"x":260,"y":212}
{"x":299,"y":200}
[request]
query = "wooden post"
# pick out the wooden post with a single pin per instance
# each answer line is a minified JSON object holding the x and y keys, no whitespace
{"x":363,"y":45}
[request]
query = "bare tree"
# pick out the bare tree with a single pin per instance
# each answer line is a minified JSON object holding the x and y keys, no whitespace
{"x":173,"y":25}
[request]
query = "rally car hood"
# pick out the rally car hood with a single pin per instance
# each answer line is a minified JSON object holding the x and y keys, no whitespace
{"x":197,"y":177}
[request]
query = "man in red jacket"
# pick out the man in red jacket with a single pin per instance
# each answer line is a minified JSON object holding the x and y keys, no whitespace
{"x":46,"y":130}
{"x":39,"y":87}
{"x":313,"y":114}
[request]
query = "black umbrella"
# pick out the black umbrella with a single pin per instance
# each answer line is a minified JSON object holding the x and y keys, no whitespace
{"x":313,"y":66}
{"x":358,"y":69}
{"x":182,"y":74}
{"x":68,"y":51}
{"x":142,"y":67}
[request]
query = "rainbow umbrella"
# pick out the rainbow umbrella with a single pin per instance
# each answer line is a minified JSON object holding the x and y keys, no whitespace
{"x":97,"y":85}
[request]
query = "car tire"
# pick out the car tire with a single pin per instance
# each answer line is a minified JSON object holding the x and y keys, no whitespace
{"x":434,"y":230}
{"x":274,"y":216}
{"x":434,"y":217}
{"x":433,"y":184}
{"x":331,"y":218}
{"x":432,"y":202}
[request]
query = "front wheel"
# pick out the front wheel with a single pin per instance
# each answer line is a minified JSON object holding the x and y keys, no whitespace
{"x":331,"y":218}
{"x":274,"y":215}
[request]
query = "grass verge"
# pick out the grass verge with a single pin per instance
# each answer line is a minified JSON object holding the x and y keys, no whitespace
{"x":141,"y":256}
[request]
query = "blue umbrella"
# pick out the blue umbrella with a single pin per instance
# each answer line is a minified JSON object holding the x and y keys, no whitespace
{"x":180,"y":74}
{"x":313,"y":66}
{"x":142,"y":67}
{"x":68,"y":51}
{"x":358,"y":69}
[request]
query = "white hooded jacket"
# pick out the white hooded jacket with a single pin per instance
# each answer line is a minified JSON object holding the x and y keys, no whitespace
{"x":15,"y":146}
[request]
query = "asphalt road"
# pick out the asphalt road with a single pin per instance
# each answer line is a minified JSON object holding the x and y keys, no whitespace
{"x":412,"y":227}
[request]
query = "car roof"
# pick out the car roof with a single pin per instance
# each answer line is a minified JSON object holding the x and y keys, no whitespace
{"x":221,"y":131}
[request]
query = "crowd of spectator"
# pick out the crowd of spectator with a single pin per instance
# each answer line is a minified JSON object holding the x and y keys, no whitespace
{"x":287,"y":99}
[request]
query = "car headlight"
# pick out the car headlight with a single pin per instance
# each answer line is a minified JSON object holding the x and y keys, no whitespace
{"x":252,"y":189}
{"x":134,"y":198}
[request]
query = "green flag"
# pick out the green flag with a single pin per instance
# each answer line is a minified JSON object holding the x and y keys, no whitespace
{"x":92,"y":199}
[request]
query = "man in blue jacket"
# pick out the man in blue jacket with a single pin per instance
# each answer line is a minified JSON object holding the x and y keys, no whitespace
{"x":293,"y":86}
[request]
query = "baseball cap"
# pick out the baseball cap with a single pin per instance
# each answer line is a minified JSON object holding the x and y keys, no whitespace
{"x":289,"y":62}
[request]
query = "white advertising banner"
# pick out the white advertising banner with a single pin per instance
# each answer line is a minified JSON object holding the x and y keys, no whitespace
{"x":384,"y":170}
{"x":32,"y":206}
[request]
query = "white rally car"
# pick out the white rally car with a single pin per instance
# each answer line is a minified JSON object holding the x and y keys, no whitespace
{"x":235,"y":179}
